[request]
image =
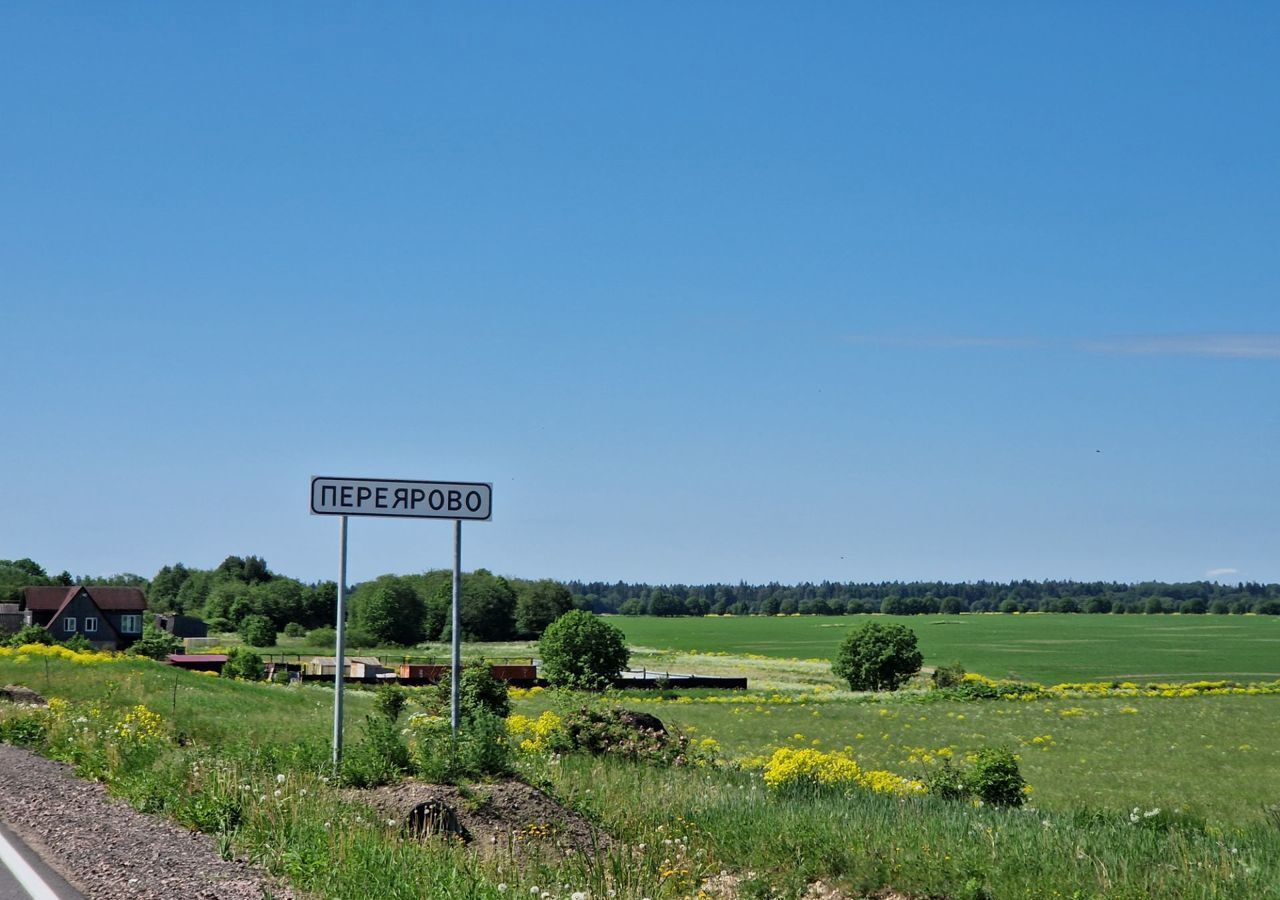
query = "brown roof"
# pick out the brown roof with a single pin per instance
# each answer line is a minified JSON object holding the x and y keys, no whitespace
{"x":108,"y":599}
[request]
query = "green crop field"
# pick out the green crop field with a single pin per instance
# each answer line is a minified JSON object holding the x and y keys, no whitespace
{"x":1040,"y":647}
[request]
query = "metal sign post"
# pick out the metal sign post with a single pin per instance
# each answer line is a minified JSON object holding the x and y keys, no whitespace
{"x":340,"y":646}
{"x":391,"y":498}
{"x":456,"y":678}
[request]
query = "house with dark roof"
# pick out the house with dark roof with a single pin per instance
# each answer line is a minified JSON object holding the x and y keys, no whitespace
{"x":110,"y":618}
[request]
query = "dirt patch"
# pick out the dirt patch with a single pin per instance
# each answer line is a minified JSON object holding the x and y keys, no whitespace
{"x":506,"y":818}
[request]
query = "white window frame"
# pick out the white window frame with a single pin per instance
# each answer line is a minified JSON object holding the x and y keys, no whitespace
{"x":90,"y":623}
{"x":68,"y":623}
{"x":128,"y":620}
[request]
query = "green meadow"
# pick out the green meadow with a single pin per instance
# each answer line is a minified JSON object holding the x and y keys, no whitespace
{"x":1207,"y":763}
{"x":1045,"y":647}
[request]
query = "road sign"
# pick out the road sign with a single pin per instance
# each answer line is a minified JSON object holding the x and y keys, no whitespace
{"x":455,"y":500}
{"x":401,"y":499}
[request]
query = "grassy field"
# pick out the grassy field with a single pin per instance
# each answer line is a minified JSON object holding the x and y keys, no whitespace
{"x":260,"y":752}
{"x":1047,"y":648}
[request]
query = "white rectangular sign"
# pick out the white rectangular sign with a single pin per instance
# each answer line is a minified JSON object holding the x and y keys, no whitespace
{"x":401,"y":499}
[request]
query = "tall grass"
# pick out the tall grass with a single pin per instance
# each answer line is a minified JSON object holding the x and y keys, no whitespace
{"x":866,"y":841}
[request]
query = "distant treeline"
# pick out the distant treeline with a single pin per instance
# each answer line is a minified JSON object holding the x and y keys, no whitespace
{"x":243,"y":594}
{"x":925,"y":597}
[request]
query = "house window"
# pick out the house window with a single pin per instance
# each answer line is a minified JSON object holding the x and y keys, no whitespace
{"x":69,"y":623}
{"x":131,"y":624}
{"x":90,"y":623}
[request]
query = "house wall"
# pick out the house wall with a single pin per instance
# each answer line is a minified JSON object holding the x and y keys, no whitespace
{"x":80,"y":609}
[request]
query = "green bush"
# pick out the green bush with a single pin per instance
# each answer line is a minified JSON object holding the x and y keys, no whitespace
{"x":322,"y":637}
{"x":77,"y":642}
{"x":947,"y":782}
{"x":26,"y":728}
{"x":581,"y":650}
{"x":948,"y":676}
{"x":31,"y":634}
{"x":258,"y":631}
{"x":390,"y":700}
{"x":478,"y":692}
{"x":481,"y":749}
{"x":604,"y":730}
{"x":994,"y":777}
{"x":155,"y":643}
{"x":380,"y":758}
{"x":878,"y":657}
{"x":294,"y":630}
{"x":243,"y":663}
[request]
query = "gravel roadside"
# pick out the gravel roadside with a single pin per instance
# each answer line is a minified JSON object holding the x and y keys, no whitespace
{"x":106,"y":849}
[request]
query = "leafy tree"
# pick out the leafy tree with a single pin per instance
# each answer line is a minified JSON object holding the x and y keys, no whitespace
{"x":280,"y":600}
{"x":488,"y":606}
{"x":662,"y":603}
{"x":28,"y":566}
{"x":632,"y":607}
{"x":295,"y":630}
{"x":258,"y":631}
{"x":163,"y":593}
{"x":1193,"y":607}
{"x":194,"y":593}
{"x":877,"y":657}
{"x":538,"y":604}
{"x":388,"y":610}
{"x":581,"y":650}
{"x":155,"y":643}
{"x":950,"y":606}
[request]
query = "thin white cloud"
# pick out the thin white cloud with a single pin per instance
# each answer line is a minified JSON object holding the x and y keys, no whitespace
{"x":1218,"y":573}
{"x":1232,"y":346}
{"x":940,"y":342}
{"x":1263,"y":345}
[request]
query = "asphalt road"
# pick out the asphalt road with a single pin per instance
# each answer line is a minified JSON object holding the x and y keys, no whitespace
{"x":24,"y":876}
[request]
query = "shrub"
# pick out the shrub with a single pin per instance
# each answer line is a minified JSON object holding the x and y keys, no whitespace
{"x":243,"y":663}
{"x":390,"y":700}
{"x":322,"y":637}
{"x":358,"y":637}
{"x":478,"y":692}
{"x":24,"y":729}
{"x":481,"y":750}
{"x":77,"y":642}
{"x":155,"y":643}
{"x":948,"y":676}
{"x":380,"y":758}
{"x":294,"y":630}
{"x":947,"y":782}
{"x":258,"y":631}
{"x":601,"y":730}
{"x":581,"y":650}
{"x":877,"y":657}
{"x":31,"y":634}
{"x":994,"y":777}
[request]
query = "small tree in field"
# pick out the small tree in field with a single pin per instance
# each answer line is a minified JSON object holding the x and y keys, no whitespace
{"x":581,"y":650}
{"x":877,"y":657}
{"x":258,"y":631}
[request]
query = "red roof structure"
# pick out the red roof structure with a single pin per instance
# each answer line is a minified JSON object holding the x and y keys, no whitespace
{"x":107,"y":599}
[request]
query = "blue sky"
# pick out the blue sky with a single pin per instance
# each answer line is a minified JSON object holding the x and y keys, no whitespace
{"x":709,"y":291}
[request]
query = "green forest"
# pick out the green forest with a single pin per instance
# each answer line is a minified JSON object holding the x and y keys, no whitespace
{"x":243,"y":594}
